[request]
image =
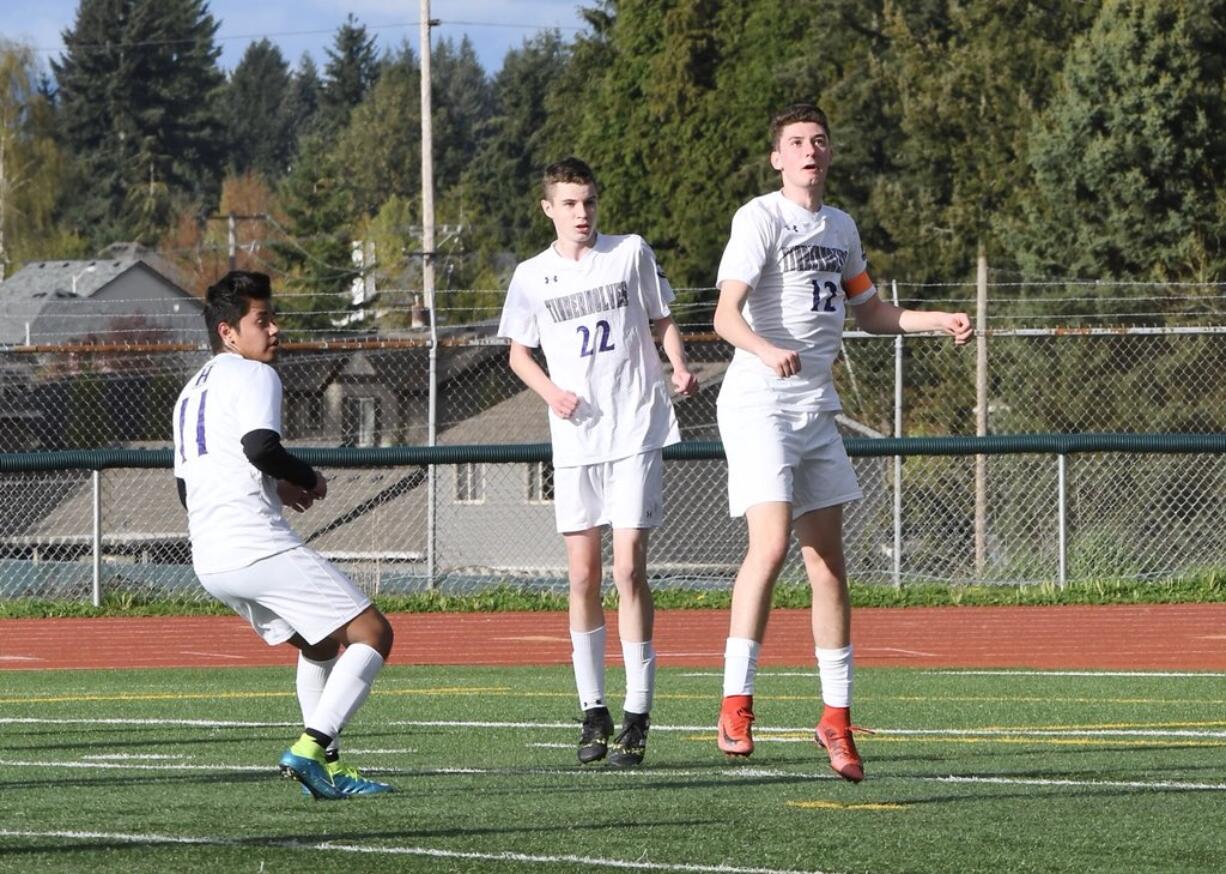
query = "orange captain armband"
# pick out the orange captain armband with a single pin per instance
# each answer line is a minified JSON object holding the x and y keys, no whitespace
{"x":858,"y":288}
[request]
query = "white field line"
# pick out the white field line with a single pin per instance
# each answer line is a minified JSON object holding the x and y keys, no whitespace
{"x":735,"y":772}
{"x":1018,"y":672}
{"x":429,"y":852}
{"x":689,"y":729}
{"x":189,"y":723}
{"x":355,"y":751}
{"x":1025,"y":673}
{"x":93,"y":765}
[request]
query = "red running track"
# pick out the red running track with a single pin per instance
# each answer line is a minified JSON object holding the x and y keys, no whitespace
{"x":1124,"y":637}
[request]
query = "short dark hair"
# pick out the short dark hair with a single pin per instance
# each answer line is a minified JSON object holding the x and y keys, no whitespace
{"x":229,"y":298}
{"x":797,"y":112}
{"x":567,"y":170}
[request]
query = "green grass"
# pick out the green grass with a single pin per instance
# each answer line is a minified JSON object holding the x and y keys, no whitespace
{"x":1208,"y":586}
{"x":968,"y":773}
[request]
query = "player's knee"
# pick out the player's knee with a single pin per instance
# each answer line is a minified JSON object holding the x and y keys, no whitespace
{"x":629,"y":576}
{"x":584,"y":581}
{"x":769,"y":554}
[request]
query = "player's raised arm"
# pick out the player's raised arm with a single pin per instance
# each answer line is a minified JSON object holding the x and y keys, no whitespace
{"x":878,"y":316}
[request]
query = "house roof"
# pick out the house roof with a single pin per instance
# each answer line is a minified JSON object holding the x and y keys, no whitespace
{"x":38,"y":302}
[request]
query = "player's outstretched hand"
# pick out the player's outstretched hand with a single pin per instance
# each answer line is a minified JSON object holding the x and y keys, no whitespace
{"x":685,"y":383}
{"x":784,"y":362}
{"x":294,"y":497}
{"x":321,"y":486}
{"x":564,"y":404}
{"x":958,"y":326}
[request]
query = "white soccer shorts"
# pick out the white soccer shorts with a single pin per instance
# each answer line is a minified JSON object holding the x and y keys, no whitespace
{"x":293,"y":591}
{"x":785,"y":455}
{"x":626,"y":493}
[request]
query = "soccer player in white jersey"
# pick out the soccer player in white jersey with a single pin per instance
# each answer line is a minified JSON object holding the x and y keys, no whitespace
{"x":234,"y":477}
{"x":791,"y":264}
{"x":589,"y":301}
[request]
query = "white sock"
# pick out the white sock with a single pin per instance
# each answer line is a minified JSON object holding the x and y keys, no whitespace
{"x":587,"y":655}
{"x":740,"y":665}
{"x":347,"y":688}
{"x":834,"y":670}
{"x":640,"y":661}
{"x":311,"y":678}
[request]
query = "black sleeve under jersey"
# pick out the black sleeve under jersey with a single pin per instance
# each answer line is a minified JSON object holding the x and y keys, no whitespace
{"x":182,"y":486}
{"x":264,"y":450}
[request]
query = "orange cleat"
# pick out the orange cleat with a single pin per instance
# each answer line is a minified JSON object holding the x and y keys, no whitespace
{"x":836,"y":740}
{"x":735,"y":721}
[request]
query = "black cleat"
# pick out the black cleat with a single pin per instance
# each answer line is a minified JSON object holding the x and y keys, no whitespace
{"x":594,"y":740}
{"x":630,"y":746}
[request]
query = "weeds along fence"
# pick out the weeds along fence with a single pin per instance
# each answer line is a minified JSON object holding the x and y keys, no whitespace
{"x":1099,"y":521}
{"x":473,"y":516}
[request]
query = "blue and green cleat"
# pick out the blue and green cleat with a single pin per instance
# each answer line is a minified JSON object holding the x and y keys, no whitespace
{"x":305,"y":762}
{"x":348,"y":780}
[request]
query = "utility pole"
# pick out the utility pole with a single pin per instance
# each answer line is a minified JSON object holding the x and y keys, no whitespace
{"x":427,"y":287}
{"x":4,"y":258}
{"x":232,"y":219}
{"x":427,"y":167}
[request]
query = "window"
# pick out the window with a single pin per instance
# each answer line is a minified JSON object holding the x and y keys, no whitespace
{"x":360,"y":422}
{"x":540,"y":482}
{"x":304,"y":414}
{"x":470,"y":482}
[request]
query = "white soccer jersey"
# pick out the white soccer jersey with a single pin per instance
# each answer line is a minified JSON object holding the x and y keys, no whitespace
{"x":591,"y":317}
{"x":797,"y":264}
{"x":233,"y":512}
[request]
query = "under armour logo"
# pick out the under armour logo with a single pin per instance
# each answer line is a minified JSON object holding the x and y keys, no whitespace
{"x":549,"y":279}
{"x":795,"y":228}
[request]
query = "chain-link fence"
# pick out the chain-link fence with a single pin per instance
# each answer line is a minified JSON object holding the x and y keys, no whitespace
{"x":1127,"y":516}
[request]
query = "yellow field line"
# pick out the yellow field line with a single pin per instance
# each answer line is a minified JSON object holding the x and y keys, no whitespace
{"x":834,"y":805}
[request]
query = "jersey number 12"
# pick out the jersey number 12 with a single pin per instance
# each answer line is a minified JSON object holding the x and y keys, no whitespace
{"x":823,"y":296}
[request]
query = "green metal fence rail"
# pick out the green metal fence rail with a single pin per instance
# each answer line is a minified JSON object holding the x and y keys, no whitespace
{"x":857,"y":447}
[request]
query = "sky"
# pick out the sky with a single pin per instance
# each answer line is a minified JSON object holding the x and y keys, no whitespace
{"x":297,"y":26}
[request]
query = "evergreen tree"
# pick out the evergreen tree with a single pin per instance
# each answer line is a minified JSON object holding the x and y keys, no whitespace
{"x":301,"y":107}
{"x":257,"y":100}
{"x":138,"y":88}
{"x":461,"y":98}
{"x":316,"y":253}
{"x":351,"y":71}
{"x":380,"y":149}
{"x":501,"y":184}
{"x":1129,"y":159}
{"x":968,"y":77}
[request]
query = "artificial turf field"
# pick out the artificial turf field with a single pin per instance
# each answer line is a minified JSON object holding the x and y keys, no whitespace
{"x":174,"y":770}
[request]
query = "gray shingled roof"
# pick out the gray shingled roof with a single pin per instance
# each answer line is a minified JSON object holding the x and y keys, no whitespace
{"x":38,"y":302}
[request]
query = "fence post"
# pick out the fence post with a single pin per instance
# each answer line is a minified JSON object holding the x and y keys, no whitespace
{"x":97,"y":589}
{"x":981,"y":414}
{"x":897,"y":458}
{"x":1062,"y":519}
